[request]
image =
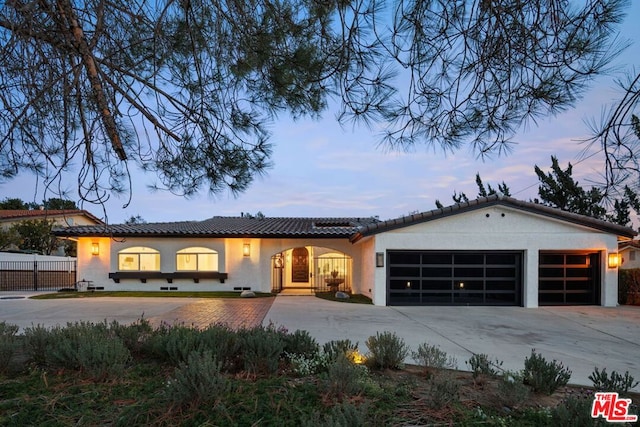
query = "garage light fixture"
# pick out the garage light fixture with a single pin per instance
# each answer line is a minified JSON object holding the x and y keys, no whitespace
{"x":95,"y":248}
{"x":246,"y":249}
{"x":613,"y":260}
{"x":379,"y":259}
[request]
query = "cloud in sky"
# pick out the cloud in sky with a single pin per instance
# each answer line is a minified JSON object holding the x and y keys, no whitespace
{"x":324,"y":169}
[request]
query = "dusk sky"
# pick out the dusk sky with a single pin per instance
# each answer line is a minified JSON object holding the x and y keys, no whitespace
{"x":323,"y":169}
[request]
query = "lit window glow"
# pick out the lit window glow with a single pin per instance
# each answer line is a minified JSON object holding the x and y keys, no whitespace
{"x":197,"y":259}
{"x":139,"y":258}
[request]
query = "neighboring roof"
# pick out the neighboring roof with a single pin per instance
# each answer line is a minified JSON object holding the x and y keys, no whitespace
{"x":483,"y":202}
{"x":228,"y":227}
{"x":629,"y":244}
{"x":24,"y":214}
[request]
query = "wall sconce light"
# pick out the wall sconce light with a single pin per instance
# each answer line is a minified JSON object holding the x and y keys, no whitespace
{"x":613,"y":261}
{"x":246,"y":249}
{"x":379,"y":259}
{"x":95,"y":248}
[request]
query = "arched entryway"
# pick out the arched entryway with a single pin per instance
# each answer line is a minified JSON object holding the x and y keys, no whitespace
{"x":313,"y":268}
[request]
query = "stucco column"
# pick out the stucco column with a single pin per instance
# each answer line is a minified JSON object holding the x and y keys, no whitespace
{"x":608,"y":280}
{"x":530,"y":278}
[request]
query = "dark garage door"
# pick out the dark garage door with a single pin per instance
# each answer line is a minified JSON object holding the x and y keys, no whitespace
{"x":569,"y":278}
{"x":454,"y":278}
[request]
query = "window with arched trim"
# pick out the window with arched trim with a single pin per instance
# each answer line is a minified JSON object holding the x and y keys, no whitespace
{"x":139,"y":258}
{"x":197,"y":259}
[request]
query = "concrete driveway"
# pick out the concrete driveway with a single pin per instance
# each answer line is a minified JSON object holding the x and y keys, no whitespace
{"x":580,"y":337}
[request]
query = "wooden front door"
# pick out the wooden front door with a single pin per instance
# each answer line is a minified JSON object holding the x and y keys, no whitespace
{"x":300,"y":265}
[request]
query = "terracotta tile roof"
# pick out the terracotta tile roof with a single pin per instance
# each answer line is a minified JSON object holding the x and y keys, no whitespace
{"x":24,"y":214}
{"x":228,"y":227}
{"x":352,"y":228}
{"x":483,"y":202}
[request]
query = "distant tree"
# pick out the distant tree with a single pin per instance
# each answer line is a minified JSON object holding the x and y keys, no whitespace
{"x":8,"y":238}
{"x":59,"y":204}
{"x":70,"y":248}
{"x":503,"y":188}
{"x":258,"y":215}
{"x":36,"y":235}
{"x":188,"y":89}
{"x":558,"y":189}
{"x":13,"y":203}
{"x":137,"y":219}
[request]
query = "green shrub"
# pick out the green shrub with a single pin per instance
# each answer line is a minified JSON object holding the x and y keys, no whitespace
{"x":344,"y":377}
{"x":431,"y":356}
{"x":174,"y":344}
{"x":8,"y":344}
{"x":261,"y":349}
{"x":628,"y":284}
{"x":198,"y":381}
{"x":342,"y":415}
{"x":575,"y":411}
{"x":543,"y":376}
{"x":224,"y":343}
{"x":135,"y":335}
{"x":36,"y":344}
{"x":87,"y":347}
{"x":614,"y":382}
{"x":443,"y":390}
{"x":386,"y":351}
{"x":511,"y":389}
{"x":301,"y":343}
{"x":335,"y":348}
{"x":481,"y":365}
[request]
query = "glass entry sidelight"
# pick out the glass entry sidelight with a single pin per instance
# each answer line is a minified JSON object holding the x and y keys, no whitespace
{"x":312,"y":267}
{"x":332,"y":272}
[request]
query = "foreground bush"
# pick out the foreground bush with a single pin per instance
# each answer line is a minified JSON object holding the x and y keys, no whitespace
{"x":481,"y":365}
{"x":261,"y":349}
{"x":621,"y":384}
{"x":342,"y":415}
{"x":91,"y":348}
{"x":432,"y":357}
{"x":198,"y":381}
{"x":343,"y":377}
{"x":8,"y":344}
{"x":543,"y":376}
{"x":386,"y":351}
{"x":335,"y":348}
{"x":174,"y":343}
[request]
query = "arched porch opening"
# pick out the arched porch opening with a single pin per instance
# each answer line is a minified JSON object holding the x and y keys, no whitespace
{"x":313,"y":268}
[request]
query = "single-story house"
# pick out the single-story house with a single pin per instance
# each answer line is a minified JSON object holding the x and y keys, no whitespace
{"x":491,"y":251}
{"x":60,"y":217}
{"x":629,"y":251}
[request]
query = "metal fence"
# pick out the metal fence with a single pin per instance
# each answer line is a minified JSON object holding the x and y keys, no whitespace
{"x":37,"y":275}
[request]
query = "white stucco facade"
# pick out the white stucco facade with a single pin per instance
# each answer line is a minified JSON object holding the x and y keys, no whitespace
{"x":530,"y":232}
{"x":499,"y":228}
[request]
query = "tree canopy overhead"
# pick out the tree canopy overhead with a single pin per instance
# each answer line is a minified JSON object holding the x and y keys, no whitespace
{"x":187,"y":89}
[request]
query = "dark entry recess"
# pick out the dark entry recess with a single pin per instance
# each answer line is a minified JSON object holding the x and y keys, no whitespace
{"x":454,"y":278}
{"x":567,"y":278}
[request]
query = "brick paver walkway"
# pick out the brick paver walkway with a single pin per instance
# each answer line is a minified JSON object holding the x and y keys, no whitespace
{"x":237,"y":313}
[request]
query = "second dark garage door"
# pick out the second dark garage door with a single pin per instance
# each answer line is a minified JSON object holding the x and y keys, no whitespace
{"x":454,"y":278}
